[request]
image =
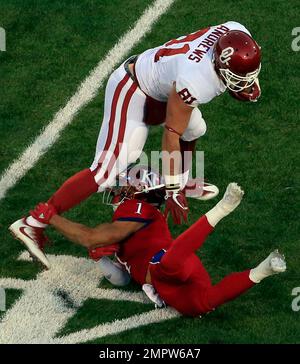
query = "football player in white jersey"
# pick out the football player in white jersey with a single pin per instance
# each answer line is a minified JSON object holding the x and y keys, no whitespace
{"x":163,"y":85}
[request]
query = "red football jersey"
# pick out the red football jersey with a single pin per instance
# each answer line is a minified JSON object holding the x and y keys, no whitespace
{"x":137,"y":250}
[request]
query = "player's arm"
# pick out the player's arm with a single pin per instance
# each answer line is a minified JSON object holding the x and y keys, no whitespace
{"x":177,"y":119}
{"x":101,"y":235}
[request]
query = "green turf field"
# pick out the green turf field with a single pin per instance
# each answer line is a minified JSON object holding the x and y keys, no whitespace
{"x":52,"y":46}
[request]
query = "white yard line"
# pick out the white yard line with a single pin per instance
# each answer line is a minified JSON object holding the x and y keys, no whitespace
{"x":86,"y":91}
{"x":118,"y":326}
{"x":13,"y":283}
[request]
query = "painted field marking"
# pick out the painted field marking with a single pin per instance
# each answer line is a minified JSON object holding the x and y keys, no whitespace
{"x":44,"y":309}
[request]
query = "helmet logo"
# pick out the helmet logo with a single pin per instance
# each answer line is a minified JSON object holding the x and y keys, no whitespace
{"x":226,"y":54}
{"x":149,"y":178}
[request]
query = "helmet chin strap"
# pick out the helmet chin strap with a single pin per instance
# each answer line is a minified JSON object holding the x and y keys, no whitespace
{"x":147,"y":189}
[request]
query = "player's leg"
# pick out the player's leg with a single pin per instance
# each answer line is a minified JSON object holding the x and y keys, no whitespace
{"x":127,"y":138}
{"x":76,"y":189}
{"x":118,"y":124}
{"x":114,"y":272}
{"x":197,"y":296}
{"x":236,"y":284}
{"x":127,"y":150}
{"x":83,"y":184}
{"x":192,"y":239}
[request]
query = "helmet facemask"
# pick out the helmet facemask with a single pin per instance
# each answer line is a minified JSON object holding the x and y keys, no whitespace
{"x":130,"y":186}
{"x":115,"y":196}
{"x":237,"y":83}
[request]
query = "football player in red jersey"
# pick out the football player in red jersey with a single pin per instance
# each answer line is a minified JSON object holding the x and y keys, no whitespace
{"x":163,"y":85}
{"x":169,"y":270}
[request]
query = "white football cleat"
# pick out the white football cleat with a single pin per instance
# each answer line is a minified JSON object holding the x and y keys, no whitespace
{"x":206,"y":192}
{"x":277,"y":262}
{"x":33,"y":238}
{"x":232,"y":197}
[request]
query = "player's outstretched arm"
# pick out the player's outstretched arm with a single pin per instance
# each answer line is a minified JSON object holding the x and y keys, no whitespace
{"x":102,"y":235}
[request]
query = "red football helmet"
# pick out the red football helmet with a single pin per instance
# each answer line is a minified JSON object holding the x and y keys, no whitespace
{"x":237,"y":60}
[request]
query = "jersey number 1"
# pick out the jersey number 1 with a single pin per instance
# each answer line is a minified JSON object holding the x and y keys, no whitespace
{"x":139,"y":208}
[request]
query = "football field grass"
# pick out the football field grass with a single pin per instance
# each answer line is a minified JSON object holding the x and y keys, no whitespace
{"x":51,"y":48}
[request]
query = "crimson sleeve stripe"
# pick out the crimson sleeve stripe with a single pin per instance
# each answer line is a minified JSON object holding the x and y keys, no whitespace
{"x":112,"y":119}
{"x":121,"y":134}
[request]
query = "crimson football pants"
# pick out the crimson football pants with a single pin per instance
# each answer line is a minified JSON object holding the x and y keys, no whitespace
{"x":183,"y":282}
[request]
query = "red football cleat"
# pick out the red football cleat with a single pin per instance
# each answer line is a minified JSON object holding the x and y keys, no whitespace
{"x":33,"y":238}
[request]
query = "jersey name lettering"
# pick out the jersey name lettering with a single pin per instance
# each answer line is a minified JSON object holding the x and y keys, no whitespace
{"x":207,"y":43}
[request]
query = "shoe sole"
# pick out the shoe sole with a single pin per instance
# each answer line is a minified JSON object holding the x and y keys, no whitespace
{"x":39,"y":256}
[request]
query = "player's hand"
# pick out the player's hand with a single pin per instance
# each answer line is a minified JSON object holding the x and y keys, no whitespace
{"x":97,"y":253}
{"x":43,"y":212}
{"x":176,"y":205}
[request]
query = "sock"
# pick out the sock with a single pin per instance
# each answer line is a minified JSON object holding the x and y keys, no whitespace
{"x":230,"y":201}
{"x":265,"y":269}
{"x":35,"y":223}
{"x":75,"y":190}
{"x":187,"y":146}
{"x":113,"y":272}
{"x":216,"y":214}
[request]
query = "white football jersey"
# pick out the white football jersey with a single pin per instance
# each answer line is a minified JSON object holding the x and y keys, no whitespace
{"x":186,"y":61}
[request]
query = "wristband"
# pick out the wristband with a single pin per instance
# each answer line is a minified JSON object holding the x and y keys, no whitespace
{"x":178,"y":181}
{"x":172,"y":180}
{"x":172,"y":130}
